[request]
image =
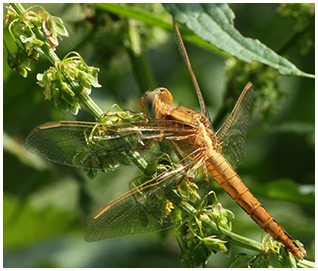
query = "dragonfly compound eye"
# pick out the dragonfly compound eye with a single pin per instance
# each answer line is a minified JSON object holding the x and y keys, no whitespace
{"x":152,"y":101}
{"x":148,"y":103}
{"x":164,"y":96}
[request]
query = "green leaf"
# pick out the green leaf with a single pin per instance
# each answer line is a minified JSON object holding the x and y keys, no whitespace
{"x":136,"y":13}
{"x":152,"y":19}
{"x":241,"y":261}
{"x":214,"y":23}
{"x":289,"y":190}
{"x":295,"y":127}
{"x":59,"y":27}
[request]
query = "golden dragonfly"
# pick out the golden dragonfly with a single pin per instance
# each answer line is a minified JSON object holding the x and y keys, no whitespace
{"x":133,"y":138}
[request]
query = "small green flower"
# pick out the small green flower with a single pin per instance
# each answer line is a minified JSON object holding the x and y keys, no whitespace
{"x":197,"y":240}
{"x":31,"y":31}
{"x":67,"y":80}
{"x":18,"y":61}
{"x":214,"y":244}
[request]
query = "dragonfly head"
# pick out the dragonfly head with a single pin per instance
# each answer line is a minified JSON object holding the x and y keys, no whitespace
{"x":153,"y":101}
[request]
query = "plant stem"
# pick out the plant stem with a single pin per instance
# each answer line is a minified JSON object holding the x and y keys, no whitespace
{"x":292,"y":41}
{"x":139,"y":60}
{"x":18,"y":8}
{"x":306,"y":263}
{"x":236,"y":239}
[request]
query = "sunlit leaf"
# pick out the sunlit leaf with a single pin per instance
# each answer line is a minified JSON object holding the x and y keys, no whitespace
{"x":214,"y":23}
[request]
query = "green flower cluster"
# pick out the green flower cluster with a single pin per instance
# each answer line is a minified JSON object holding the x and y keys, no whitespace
{"x":200,"y":241}
{"x":268,"y":93}
{"x":31,"y":31}
{"x":67,"y":81}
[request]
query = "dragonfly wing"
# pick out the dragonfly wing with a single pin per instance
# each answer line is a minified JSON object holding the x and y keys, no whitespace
{"x":98,"y":145}
{"x":232,"y":134}
{"x":149,"y":207}
{"x":186,"y":59}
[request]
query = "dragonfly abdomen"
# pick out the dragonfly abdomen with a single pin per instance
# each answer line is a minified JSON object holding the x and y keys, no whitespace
{"x":222,"y":172}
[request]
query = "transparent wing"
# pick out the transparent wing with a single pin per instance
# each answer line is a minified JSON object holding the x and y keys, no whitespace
{"x":155,"y":205}
{"x":93,"y":145}
{"x":186,"y":59}
{"x":232,"y":134}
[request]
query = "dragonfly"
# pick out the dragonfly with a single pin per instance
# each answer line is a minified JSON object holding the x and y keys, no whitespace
{"x":154,"y":200}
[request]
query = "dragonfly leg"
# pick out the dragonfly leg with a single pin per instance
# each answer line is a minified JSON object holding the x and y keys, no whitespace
{"x":174,"y":148}
{"x":129,"y":121}
{"x":160,"y":138}
{"x":146,"y":145}
{"x":177,"y":138}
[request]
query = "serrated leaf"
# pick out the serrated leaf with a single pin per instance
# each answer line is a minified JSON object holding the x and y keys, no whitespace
{"x":214,"y":23}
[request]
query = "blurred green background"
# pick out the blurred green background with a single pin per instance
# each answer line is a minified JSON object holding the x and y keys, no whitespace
{"x":46,"y":207}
